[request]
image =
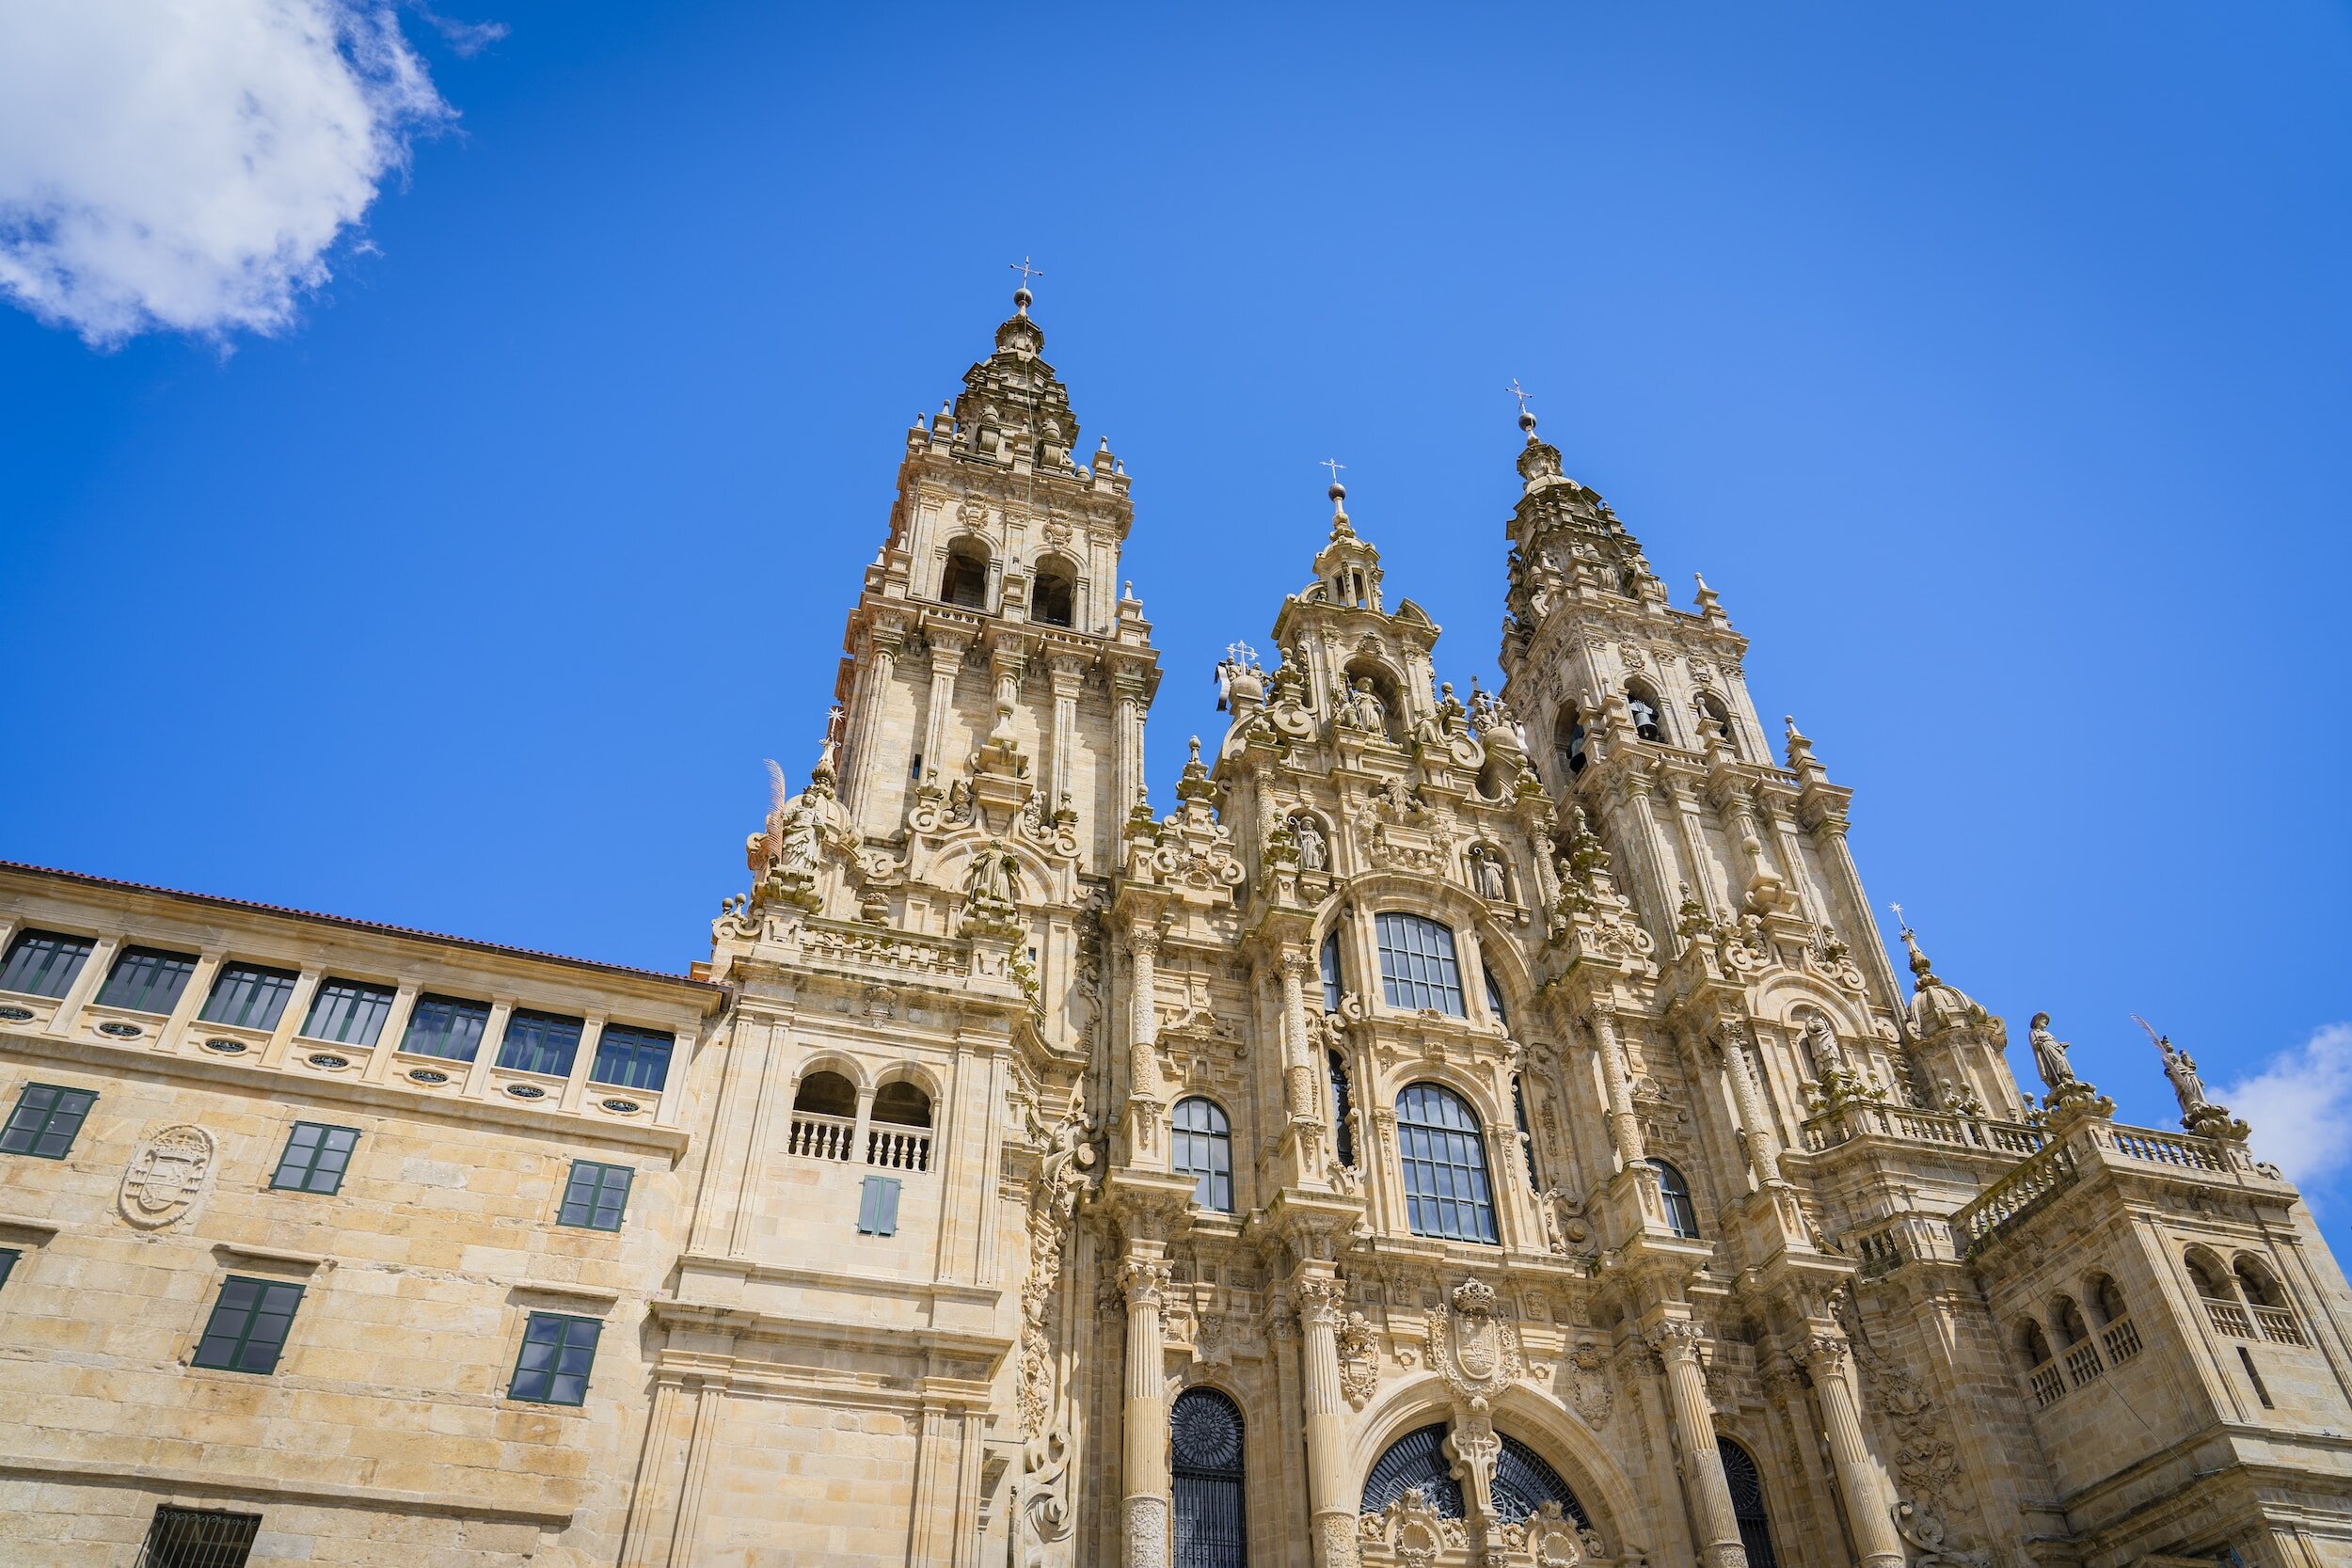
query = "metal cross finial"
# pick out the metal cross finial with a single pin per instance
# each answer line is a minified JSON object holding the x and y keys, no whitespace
{"x":1334,"y":464}
{"x":1520,"y":392}
{"x":1899,"y":916}
{"x":1026,"y":271}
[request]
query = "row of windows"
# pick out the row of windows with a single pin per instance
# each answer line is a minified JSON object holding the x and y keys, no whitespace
{"x":1708,"y":711}
{"x":47,"y":1118}
{"x":344,"y":1012}
{"x":1052,"y":587}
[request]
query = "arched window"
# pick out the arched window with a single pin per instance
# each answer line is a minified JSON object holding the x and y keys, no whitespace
{"x":1567,"y":738}
{"x":1716,"y":715}
{"x":1523,"y":1481}
{"x":965,"y":584}
{"x":1444,"y":1160}
{"x":1202,"y":1149}
{"x":1334,"y":984}
{"x":2253,"y":1278}
{"x":1418,"y":968}
{"x":1494,"y":1000}
{"x":900,"y":1139}
{"x":2109,"y":1300}
{"x":2033,"y":1346}
{"x":2071,"y":1327}
{"x":824,"y":1118}
{"x":903,"y":1104}
{"x":1747,"y":1503}
{"x":1682,"y":1216}
{"x":2212,"y":1283}
{"x":1205,"y":1450}
{"x":1052,"y":595}
{"x":1342,"y":1109}
{"x":1416,"y":1461}
{"x":826,"y":1094}
{"x":1649,"y":720}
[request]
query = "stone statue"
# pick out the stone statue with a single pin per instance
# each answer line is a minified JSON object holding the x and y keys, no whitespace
{"x":1362,"y":708}
{"x":2187,"y":1087}
{"x":2049,"y":1055}
{"x":994,"y":878}
{"x":1314,"y":852}
{"x":1486,"y":877}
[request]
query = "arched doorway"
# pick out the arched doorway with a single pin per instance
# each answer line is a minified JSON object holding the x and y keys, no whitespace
{"x":1747,"y":1503}
{"x":1204,"y":1432}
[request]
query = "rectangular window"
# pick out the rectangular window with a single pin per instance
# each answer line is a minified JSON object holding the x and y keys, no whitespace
{"x":595,"y":1196}
{"x":348,"y":1012}
{"x":43,"y":963}
{"x":200,"y":1538}
{"x":1417,"y":964}
{"x":248,"y":1325}
{"x":557,"y":1352}
{"x":45,"y":1121}
{"x":446,"y":1027}
{"x":315,"y":1158}
{"x":249,"y":996}
{"x":633,"y":1059}
{"x":878,"y":1207}
{"x":539,"y":1043}
{"x":147,"y":980}
{"x":9,"y":1256}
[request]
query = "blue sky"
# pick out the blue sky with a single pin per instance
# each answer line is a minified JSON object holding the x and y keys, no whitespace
{"x":1994,"y":365}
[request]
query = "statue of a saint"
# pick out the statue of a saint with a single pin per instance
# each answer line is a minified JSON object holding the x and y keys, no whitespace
{"x":1364,"y":708}
{"x":994,"y":876}
{"x":2049,"y":1055}
{"x":1486,"y":877}
{"x":1314,"y":852}
{"x":2187,"y":1087}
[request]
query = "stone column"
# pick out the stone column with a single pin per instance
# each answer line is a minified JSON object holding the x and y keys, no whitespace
{"x":1067,"y":673}
{"x":947,"y":660}
{"x":1676,"y":1343}
{"x":1127,"y":740}
{"x":1331,"y":1512}
{"x":1624,"y":1128}
{"x":1826,"y":1357}
{"x":1763,"y":1143}
{"x":1298,"y":1075}
{"x":869,"y":697}
{"x":1144,"y":1419}
{"x":1143,"y":1107}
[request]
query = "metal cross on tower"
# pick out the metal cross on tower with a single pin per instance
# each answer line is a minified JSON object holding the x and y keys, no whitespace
{"x":1026,"y":271}
{"x":1334,"y":464}
{"x":1520,"y":392}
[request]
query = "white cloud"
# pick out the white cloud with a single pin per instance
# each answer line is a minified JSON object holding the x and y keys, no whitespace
{"x":2300,"y":1106}
{"x":187,"y":163}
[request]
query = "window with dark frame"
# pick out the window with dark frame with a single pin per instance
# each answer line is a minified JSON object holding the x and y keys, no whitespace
{"x":1334,"y":981}
{"x":315,"y":1158}
{"x":539,"y":1043}
{"x":249,"y":996}
{"x":1682,"y":1216}
{"x":1418,"y":966}
{"x":595,"y":1196}
{"x":1443,"y":1157}
{"x":1201,"y":1147}
{"x":147,"y":980}
{"x":45,"y":1121}
{"x":348,"y":1012}
{"x":249,"y":1326}
{"x":558,"y":1351}
{"x":198,"y":1538}
{"x":633,"y":1059}
{"x":8,"y":1257}
{"x":446,"y":1026}
{"x":43,"y":963}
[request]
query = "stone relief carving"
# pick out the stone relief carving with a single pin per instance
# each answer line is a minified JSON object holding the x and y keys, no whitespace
{"x":1588,"y":1385}
{"x":1359,"y":1360}
{"x":166,"y":1176}
{"x":1475,"y":1352}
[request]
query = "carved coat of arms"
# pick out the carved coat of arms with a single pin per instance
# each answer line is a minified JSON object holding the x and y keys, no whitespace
{"x":166,"y":1176}
{"x":1474,"y":1351}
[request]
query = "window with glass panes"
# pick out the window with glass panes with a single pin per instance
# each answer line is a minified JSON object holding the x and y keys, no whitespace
{"x":315,"y":1158}
{"x":633,"y":1059}
{"x":249,"y":1324}
{"x":348,"y":1012}
{"x":46,"y":1120}
{"x":1334,"y":984}
{"x":8,"y":1257}
{"x":595,"y":1196}
{"x":1417,"y":964}
{"x":43,"y":963}
{"x":1444,"y":1164}
{"x":539,"y":1043}
{"x":1202,"y":1148}
{"x":147,"y":980}
{"x":558,"y":1351}
{"x":447,"y":1027}
{"x":249,"y":996}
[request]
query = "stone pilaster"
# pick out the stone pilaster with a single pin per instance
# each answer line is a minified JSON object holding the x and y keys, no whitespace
{"x":1624,"y":1128}
{"x":1826,"y":1359}
{"x":1330,"y":1506}
{"x":1676,"y":1343}
{"x":1144,"y":1494}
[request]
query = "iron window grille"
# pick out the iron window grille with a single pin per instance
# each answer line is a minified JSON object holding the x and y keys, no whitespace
{"x":1523,"y":1480}
{"x":198,"y":1538}
{"x":877,"y":1206}
{"x":595,"y":1196}
{"x":147,"y":980}
{"x":249,"y":1326}
{"x":1202,"y":1148}
{"x":43,"y":963}
{"x":1415,"y":1461}
{"x":1444,"y":1161}
{"x":46,"y":1121}
{"x":1418,"y":968}
{"x":1205,"y":1472}
{"x":539,"y":1043}
{"x":558,"y":1351}
{"x":446,"y":1027}
{"x":1747,"y":1503}
{"x":633,"y":1059}
{"x":348,"y":1012}
{"x":315,"y":1158}
{"x":1342,"y":1109}
{"x":249,"y":996}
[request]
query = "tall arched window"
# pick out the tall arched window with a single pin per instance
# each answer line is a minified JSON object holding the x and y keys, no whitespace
{"x":1649,"y":722}
{"x":1204,"y":1434}
{"x":1682,"y":1216}
{"x":965,"y":584}
{"x":1444,"y":1161}
{"x":1418,"y":968}
{"x":1716,"y":715}
{"x":1334,"y":982}
{"x":1568,"y":739}
{"x":1052,"y":595}
{"x":1416,"y":1461}
{"x":1494,"y":1001}
{"x":1527,"y":1139}
{"x":1747,"y":1503}
{"x":1202,"y":1149}
{"x":1342,"y":1109}
{"x":1523,"y":1481}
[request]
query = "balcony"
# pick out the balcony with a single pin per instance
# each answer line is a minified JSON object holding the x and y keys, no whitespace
{"x":2121,"y":1341}
{"x":818,"y":1136}
{"x":821,"y":1137}
{"x":1859,"y":1118}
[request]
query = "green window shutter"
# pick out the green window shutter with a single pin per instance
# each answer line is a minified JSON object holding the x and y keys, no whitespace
{"x":315,"y":1158}
{"x":45,"y":1121}
{"x":595,"y":1196}
{"x":878,"y":1207}
{"x":248,"y":1327}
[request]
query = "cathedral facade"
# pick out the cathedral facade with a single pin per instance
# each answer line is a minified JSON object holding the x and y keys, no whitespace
{"x":1464,"y":1129}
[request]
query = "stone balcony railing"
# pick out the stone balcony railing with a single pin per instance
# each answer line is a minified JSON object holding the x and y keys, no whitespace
{"x":899,"y":1148}
{"x":2081,"y":1362}
{"x":1859,"y":1118}
{"x":2008,"y":1201}
{"x":815,"y":1136}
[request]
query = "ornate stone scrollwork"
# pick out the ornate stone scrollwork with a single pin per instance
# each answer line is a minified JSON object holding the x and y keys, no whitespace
{"x":1476,"y":1352}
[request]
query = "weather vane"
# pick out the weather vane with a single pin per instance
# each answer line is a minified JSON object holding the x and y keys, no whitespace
{"x":1026,"y":271}
{"x":1520,"y":392}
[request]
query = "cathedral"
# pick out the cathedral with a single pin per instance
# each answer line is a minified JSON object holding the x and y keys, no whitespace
{"x":1461,"y":1129}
